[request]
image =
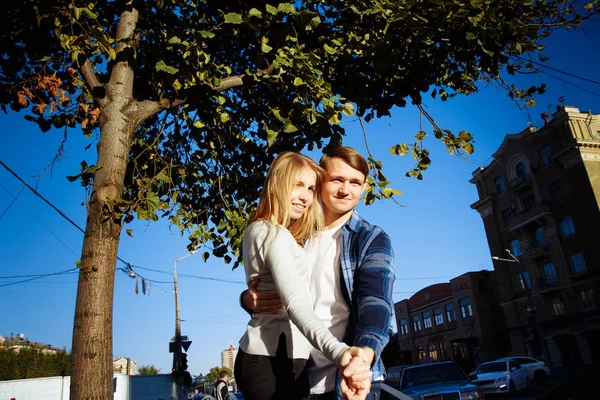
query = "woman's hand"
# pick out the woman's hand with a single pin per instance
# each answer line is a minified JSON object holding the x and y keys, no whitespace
{"x":355,"y":372}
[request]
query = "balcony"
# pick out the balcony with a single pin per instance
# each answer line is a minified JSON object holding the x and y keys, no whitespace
{"x":548,"y":282}
{"x":526,"y":217}
{"x":517,"y":184}
{"x":538,"y":250}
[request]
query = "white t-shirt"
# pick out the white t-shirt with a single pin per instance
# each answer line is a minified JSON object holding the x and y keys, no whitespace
{"x":329,"y":304}
{"x":272,"y":255}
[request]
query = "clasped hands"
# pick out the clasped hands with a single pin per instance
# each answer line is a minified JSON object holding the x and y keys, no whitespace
{"x":354,"y":363}
{"x":355,"y":372}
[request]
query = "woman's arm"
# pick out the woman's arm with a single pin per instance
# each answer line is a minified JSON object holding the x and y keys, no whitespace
{"x":293,"y":291}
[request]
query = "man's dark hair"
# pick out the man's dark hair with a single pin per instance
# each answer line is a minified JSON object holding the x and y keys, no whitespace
{"x":223,"y":374}
{"x":347,"y":154}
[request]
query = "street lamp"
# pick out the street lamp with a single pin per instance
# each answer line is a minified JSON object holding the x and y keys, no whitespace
{"x":512,"y":257}
{"x":179,"y":359}
{"x":175,"y":284}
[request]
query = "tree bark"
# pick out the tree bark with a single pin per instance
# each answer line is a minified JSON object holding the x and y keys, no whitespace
{"x":92,"y":372}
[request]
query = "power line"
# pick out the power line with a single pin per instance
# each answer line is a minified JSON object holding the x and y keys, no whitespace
{"x":40,"y":276}
{"x":570,"y":83}
{"x":13,"y":201}
{"x":558,"y":70}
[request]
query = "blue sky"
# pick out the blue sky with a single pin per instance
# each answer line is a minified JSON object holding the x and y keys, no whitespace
{"x":436,"y":235}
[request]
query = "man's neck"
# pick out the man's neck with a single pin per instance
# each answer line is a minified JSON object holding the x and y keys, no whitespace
{"x":332,"y":220}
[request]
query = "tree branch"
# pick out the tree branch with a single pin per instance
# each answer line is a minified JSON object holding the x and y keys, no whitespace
{"x":91,"y":81}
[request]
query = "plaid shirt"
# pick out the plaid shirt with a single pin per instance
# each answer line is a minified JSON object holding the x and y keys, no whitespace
{"x":367,"y":268}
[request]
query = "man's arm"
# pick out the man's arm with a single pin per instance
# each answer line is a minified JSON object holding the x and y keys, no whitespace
{"x":373,"y":286}
{"x":253,"y":301}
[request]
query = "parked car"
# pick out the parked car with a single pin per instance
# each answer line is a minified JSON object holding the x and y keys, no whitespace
{"x":538,"y":370}
{"x":443,"y":379}
{"x":393,"y":375}
{"x":501,"y":376}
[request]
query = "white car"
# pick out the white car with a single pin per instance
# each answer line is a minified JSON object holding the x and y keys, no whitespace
{"x":501,"y":376}
{"x":538,"y":370}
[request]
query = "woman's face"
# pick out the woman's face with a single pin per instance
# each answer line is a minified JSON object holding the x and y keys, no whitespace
{"x":303,"y":192}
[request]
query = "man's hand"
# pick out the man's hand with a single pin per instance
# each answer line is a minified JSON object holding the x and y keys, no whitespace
{"x":355,"y":371}
{"x":261,"y":303}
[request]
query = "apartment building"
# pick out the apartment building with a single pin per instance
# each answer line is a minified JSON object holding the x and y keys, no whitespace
{"x":458,"y":320}
{"x":539,"y":202}
{"x":228,"y":357}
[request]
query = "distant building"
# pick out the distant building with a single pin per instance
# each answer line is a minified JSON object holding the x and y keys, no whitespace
{"x":539,"y":202}
{"x":17,"y":342}
{"x":459,"y":320}
{"x":125,"y":365}
{"x":228,"y":357}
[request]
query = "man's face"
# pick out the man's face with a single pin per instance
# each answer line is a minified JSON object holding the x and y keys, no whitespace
{"x":342,"y":188}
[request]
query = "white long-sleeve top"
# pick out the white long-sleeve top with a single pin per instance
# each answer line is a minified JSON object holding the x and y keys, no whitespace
{"x":272,"y":255}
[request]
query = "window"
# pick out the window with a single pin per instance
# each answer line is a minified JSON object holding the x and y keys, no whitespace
{"x":500,"y":187}
{"x":578,"y":263}
{"x":566,"y":226}
{"x":403,"y":327}
{"x":506,"y":216}
{"x":540,"y":237}
{"x":438,"y":316}
{"x":433,"y":354}
{"x":460,"y":350}
{"x":587,"y":298}
{"x":444,"y":351}
{"x":558,"y":307}
{"x":450,"y":312}
{"x":522,"y":172}
{"x":550,"y":274}
{"x":523,"y":279}
{"x":421,"y":354}
{"x":416,"y":323}
{"x":529,"y":202}
{"x":515,"y":247}
{"x":427,"y":319}
{"x":545,"y":155}
{"x":556,"y":192}
{"x":465,"y":307}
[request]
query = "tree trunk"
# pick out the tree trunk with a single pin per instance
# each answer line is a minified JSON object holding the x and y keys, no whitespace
{"x":92,"y":372}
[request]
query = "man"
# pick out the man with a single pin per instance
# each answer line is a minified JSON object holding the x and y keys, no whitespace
{"x":220,"y":392}
{"x":352,"y":275}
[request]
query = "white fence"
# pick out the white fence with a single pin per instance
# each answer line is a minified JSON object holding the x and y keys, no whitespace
{"x":125,"y":387}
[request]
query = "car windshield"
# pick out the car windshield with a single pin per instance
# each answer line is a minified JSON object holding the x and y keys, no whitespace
{"x":491,"y":367}
{"x":432,"y":373}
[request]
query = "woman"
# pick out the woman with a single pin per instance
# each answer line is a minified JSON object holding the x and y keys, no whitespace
{"x":271,"y":361}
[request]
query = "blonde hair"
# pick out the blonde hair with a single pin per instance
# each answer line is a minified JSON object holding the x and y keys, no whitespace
{"x":275,"y":197}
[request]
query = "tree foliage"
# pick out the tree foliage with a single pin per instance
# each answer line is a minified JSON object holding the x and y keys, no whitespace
{"x":213,"y":374}
{"x":187,"y":102}
{"x":32,"y":362}
{"x":148,"y":370}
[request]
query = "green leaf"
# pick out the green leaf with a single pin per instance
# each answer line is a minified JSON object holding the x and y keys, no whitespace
{"x":205,"y":256}
{"x":271,"y":137}
{"x":162,"y":176}
{"x":401,"y":149}
{"x":255,"y":13}
{"x":264,"y":46}
{"x":198,"y":124}
{"x":161,"y":66}
{"x":420,"y":135}
{"x":271,"y":9}
{"x":206,"y":34}
{"x":289,"y":128}
{"x":298,"y":81}
{"x":469,"y":149}
{"x":286,"y":8}
{"x":224,"y":117}
{"x":335,"y":119}
{"x":329,"y":49}
{"x":129,"y":232}
{"x":470,"y":35}
{"x":233,"y":18}
{"x":465,"y":136}
{"x":348,"y":109}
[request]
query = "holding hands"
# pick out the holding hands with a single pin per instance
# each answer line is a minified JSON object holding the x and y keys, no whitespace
{"x":355,"y":372}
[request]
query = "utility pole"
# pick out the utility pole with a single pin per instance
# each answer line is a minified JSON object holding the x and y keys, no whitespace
{"x":179,"y":343}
